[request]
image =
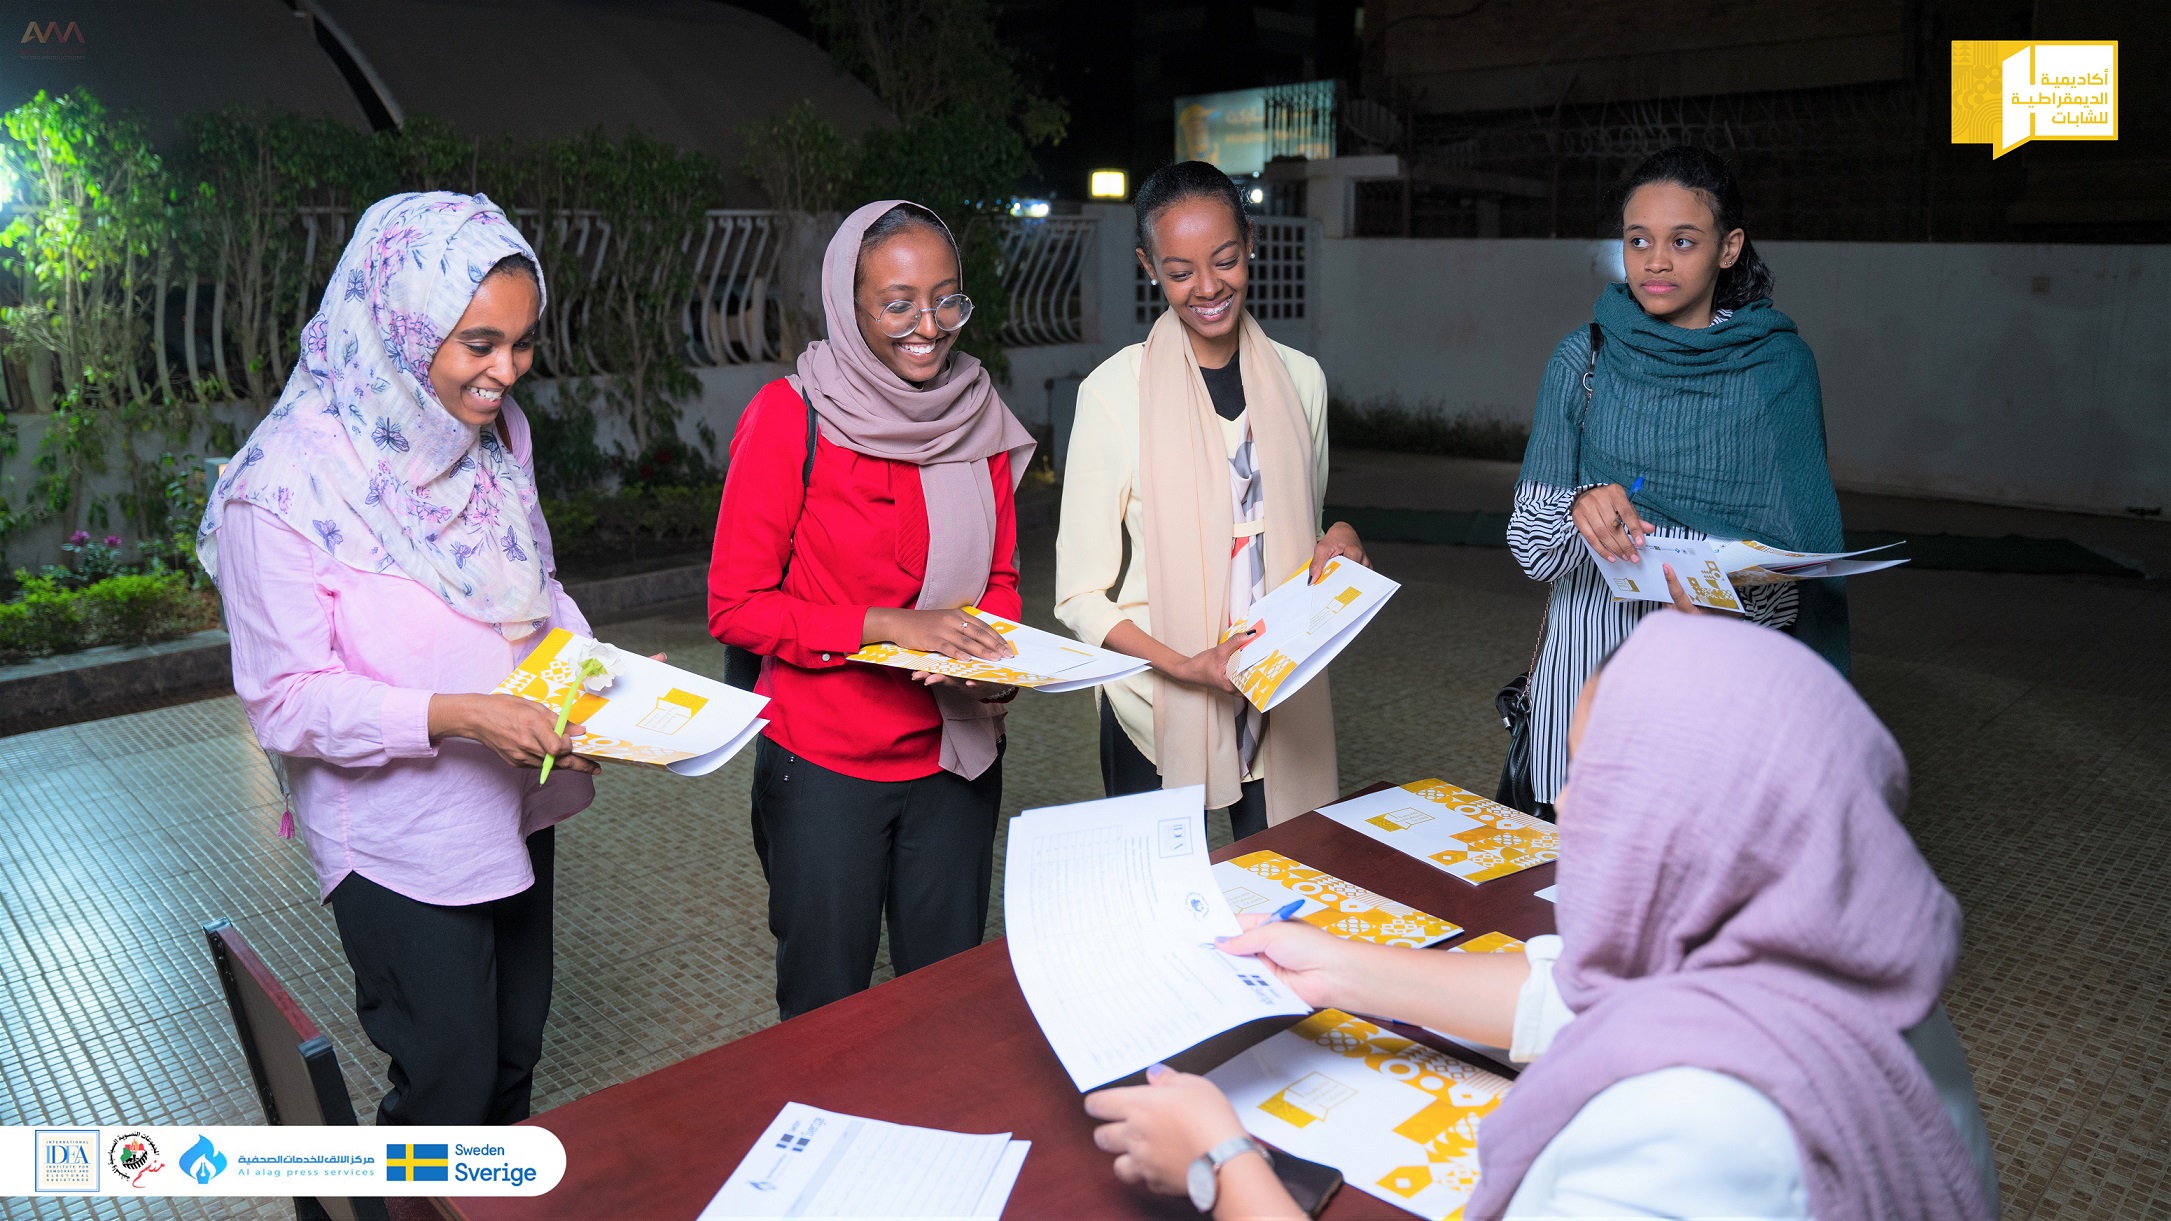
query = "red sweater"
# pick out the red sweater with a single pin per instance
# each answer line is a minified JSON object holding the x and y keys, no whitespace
{"x":861,"y":542}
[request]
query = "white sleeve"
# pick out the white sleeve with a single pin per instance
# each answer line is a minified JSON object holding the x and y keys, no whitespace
{"x":1540,"y":1014}
{"x":1679,"y":1142}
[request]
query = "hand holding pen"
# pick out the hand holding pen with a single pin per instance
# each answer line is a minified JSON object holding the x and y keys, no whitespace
{"x":1608,"y":521}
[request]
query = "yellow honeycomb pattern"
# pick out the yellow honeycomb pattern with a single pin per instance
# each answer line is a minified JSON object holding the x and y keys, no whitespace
{"x":1260,"y":682}
{"x":1462,"y":1095}
{"x":544,"y":677}
{"x":631,"y":752}
{"x":1349,"y":911}
{"x":1489,"y":943}
{"x":1506,"y":841}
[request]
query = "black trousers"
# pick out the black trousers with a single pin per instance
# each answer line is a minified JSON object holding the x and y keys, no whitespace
{"x":456,"y":996}
{"x":1126,"y":770}
{"x":840,"y":852}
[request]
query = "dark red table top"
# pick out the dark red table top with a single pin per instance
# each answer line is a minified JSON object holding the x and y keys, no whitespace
{"x":949,"y":1046}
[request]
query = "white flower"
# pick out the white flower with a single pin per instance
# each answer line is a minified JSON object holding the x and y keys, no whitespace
{"x":597,"y":664}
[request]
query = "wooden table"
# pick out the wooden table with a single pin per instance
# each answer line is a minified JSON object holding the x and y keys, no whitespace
{"x":949,"y":1046}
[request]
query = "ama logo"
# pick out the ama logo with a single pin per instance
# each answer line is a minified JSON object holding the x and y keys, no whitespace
{"x":52,"y":31}
{"x":203,"y":1162}
{"x":52,"y":40}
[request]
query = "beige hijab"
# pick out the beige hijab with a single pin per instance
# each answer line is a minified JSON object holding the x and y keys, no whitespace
{"x":1184,"y":484}
{"x":949,"y":428}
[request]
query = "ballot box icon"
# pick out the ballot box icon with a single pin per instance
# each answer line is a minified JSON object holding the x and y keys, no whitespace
{"x":674,"y":710}
{"x":1400,"y":820}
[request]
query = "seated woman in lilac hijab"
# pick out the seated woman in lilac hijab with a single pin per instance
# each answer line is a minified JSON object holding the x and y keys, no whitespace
{"x":1740,"y":1015}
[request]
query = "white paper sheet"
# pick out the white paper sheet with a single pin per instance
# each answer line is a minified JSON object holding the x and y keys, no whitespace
{"x":1550,"y":894}
{"x":1044,"y":661}
{"x":1307,"y":626}
{"x":1748,"y":562}
{"x":1397,"y":1118}
{"x":1643,"y":579}
{"x":1112,"y":910}
{"x":816,"y":1163}
{"x":1451,"y":829}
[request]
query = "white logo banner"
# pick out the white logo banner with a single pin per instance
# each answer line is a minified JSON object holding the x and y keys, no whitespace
{"x":154,"y":1160}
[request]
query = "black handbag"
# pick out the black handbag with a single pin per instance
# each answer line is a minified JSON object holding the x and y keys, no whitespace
{"x":1518,"y":773}
{"x":742,"y":667}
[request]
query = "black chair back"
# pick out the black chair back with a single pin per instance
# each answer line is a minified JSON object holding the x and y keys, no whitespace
{"x":295,"y":1067}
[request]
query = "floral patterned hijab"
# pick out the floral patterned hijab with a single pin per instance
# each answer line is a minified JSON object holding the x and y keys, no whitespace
{"x":361,"y":459}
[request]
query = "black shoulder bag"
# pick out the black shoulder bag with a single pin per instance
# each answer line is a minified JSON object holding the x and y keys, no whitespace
{"x":1518,"y":775}
{"x":742,"y":667}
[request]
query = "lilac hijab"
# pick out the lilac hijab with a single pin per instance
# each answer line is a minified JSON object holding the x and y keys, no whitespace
{"x":359,"y":457}
{"x":949,"y":428}
{"x":1737,"y":894}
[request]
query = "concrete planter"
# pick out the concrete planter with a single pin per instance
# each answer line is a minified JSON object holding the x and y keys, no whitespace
{"x":73,"y":686}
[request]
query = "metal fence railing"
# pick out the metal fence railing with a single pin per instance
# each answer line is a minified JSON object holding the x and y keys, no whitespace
{"x":1043,"y":265}
{"x":198,"y":333}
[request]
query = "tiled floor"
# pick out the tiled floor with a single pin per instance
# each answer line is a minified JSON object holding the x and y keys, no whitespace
{"x":2034,"y":711}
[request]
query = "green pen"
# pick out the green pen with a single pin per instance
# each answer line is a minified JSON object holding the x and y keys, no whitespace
{"x":589,"y":668}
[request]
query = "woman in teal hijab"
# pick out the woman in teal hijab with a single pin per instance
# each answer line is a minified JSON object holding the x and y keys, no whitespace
{"x":1699,"y":414}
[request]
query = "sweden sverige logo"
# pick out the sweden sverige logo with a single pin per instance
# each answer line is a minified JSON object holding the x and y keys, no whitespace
{"x":416,"y":1163}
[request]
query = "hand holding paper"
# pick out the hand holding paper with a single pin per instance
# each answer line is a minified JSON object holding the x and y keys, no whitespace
{"x":1308,"y":624}
{"x":1712,"y":571}
{"x":1041,"y":660}
{"x":645,"y":712}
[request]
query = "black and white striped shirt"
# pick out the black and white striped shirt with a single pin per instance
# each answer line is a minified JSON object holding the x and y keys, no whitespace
{"x":1584,"y":624}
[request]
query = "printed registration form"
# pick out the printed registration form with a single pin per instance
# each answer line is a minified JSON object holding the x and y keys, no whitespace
{"x":1112,"y":909}
{"x":816,"y":1163}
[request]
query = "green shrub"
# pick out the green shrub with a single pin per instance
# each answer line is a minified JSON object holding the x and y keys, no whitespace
{"x":138,"y":608}
{"x":635,"y":522}
{"x":1423,"y":429}
{"x":132,"y":608}
{"x":41,"y":620}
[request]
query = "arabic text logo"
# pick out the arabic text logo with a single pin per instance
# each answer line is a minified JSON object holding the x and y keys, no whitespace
{"x":2005,"y":94}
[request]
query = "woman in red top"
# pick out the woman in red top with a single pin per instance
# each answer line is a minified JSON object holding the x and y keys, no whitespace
{"x":874,"y":788}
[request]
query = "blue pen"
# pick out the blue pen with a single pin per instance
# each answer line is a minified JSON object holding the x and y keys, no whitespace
{"x":1636,"y":487}
{"x":1287,"y":910}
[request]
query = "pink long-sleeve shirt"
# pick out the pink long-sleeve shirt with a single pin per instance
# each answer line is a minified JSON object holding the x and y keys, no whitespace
{"x":336,"y":668}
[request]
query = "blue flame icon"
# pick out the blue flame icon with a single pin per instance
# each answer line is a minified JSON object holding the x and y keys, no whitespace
{"x":203,"y":1162}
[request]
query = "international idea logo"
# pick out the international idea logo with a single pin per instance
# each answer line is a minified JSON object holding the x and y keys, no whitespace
{"x":66,"y":1159}
{"x":2005,"y":94}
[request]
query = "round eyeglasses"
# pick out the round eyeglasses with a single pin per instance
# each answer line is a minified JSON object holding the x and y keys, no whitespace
{"x":898,"y":319}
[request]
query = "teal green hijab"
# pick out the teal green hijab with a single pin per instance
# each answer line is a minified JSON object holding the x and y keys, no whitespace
{"x":1724,"y":425}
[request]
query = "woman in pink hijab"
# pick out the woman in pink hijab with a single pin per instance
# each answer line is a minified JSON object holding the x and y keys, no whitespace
{"x":1740,"y":1014}
{"x":869,"y":499}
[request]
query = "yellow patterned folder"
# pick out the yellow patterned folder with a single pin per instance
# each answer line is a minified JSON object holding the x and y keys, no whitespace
{"x":1451,"y":828}
{"x":1044,"y":660}
{"x":1306,"y":626}
{"x":653,"y":713}
{"x":1488,"y":943}
{"x":1397,"y":1118}
{"x":1268,"y":881}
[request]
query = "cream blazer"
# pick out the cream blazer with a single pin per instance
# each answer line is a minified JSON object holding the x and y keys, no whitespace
{"x":1101,"y":507}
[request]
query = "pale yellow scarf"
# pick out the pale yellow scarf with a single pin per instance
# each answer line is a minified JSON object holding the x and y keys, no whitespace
{"x":1184,"y":484}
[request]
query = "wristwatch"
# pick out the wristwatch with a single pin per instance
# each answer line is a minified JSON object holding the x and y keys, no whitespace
{"x":1200,"y":1180}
